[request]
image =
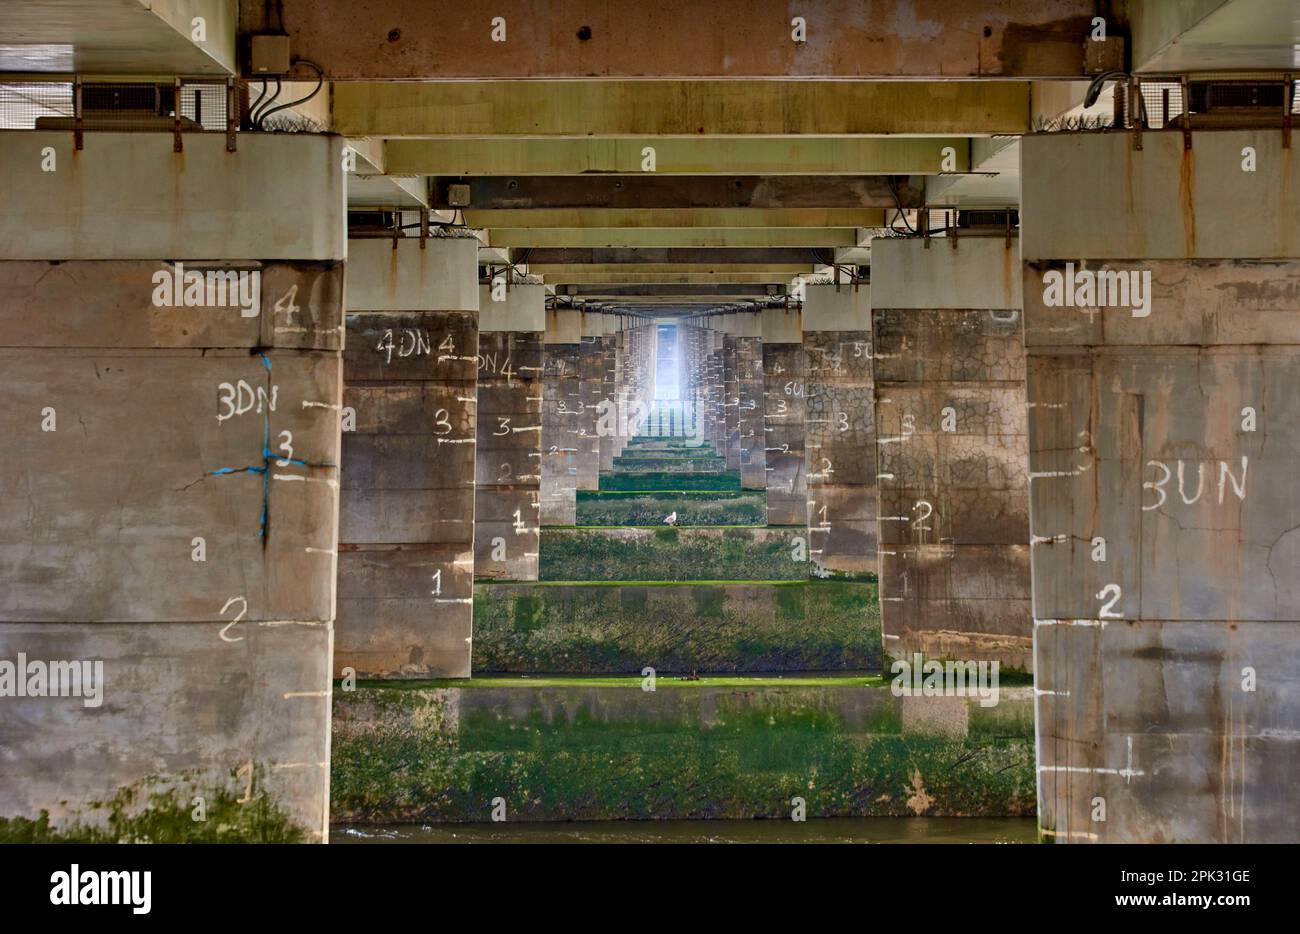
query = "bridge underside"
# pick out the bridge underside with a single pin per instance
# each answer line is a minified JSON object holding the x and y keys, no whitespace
{"x":355,"y":345}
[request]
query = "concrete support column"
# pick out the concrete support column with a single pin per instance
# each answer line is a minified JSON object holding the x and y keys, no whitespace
{"x":169,"y":478}
{"x":731,"y":400}
{"x":591,"y":369}
{"x":1163,"y":331}
{"x":560,"y":416}
{"x":749,"y":386}
{"x":953,"y":452}
{"x":406,"y":531}
{"x":717,"y":370}
{"x":508,"y":459}
{"x":784,"y":392}
{"x":841,"y":430}
{"x":607,"y":401}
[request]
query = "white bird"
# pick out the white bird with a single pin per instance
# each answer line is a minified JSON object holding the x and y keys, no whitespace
{"x":671,"y":520}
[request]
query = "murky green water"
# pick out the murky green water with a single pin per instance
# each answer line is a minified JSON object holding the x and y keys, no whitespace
{"x":845,"y":830}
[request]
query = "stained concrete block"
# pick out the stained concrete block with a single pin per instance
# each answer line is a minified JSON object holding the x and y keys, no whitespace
{"x":398,"y":275}
{"x":129,"y":196}
{"x":1162,"y":434}
{"x":186,"y":710}
{"x":561,"y":422}
{"x":952,"y":462}
{"x":508,"y":455}
{"x":785,"y":395}
{"x":406,"y":528}
{"x":840,"y":448}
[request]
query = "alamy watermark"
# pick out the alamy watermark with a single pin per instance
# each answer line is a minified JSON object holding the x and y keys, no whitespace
{"x":57,"y":678}
{"x":1102,"y":288}
{"x":211,"y":288}
{"x":919,"y":678}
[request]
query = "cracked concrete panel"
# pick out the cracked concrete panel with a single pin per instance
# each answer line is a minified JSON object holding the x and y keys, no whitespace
{"x":200,"y":713}
{"x":785,"y":394}
{"x":1155,"y":719}
{"x":953,"y":479}
{"x":406,"y":528}
{"x":508,"y":455}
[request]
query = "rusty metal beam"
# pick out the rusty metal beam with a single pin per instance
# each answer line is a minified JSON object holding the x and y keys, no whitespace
{"x":579,"y":109}
{"x":431,"y":39}
{"x":683,"y":191}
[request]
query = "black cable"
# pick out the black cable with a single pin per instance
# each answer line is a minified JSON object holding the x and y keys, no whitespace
{"x":893,"y":190}
{"x":257,"y":118}
{"x":320,"y":83}
{"x":257,"y":102}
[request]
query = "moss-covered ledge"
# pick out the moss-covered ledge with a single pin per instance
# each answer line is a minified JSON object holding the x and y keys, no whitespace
{"x":709,"y":626}
{"x":565,"y":749}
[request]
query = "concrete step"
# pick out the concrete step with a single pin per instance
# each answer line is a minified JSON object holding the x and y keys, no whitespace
{"x":665,"y":480}
{"x":674,"y":554}
{"x":740,"y":748}
{"x":590,"y":627}
{"x":650,"y":508}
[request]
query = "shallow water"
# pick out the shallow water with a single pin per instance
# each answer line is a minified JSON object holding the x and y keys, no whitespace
{"x":841,"y":830}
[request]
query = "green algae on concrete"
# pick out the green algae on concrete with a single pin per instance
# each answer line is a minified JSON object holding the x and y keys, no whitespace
{"x":659,"y":480}
{"x":610,"y":752}
{"x":678,"y":554}
{"x":730,"y":626}
{"x":651,"y":507}
{"x":157,"y":812}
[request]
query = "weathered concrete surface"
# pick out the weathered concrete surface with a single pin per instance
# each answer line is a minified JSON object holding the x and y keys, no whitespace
{"x":843,"y":531}
{"x":398,"y":275}
{"x":953,"y":459}
{"x":560,"y":427}
{"x":785,"y":392}
{"x":281,"y":196}
{"x":1163,"y":438}
{"x":1028,"y":38}
{"x":730,"y":748}
{"x":406,"y":528}
{"x":508,"y":459}
{"x":185,"y":713}
{"x":149,"y":517}
{"x":753,"y":457}
{"x":591,"y":378}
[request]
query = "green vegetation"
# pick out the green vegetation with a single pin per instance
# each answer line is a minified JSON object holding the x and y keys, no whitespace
{"x":678,"y":482}
{"x":680,"y":554}
{"x":650,"y":507}
{"x":150,"y":813}
{"x":601,"y":627}
{"x":591,"y":753}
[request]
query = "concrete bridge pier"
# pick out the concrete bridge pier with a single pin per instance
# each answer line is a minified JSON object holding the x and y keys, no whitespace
{"x":953,"y":452}
{"x":560,"y":416}
{"x":170,"y":398}
{"x":406,"y":530}
{"x":508,"y":455}
{"x":784,"y":392}
{"x":841,"y":439}
{"x":1162,"y":323}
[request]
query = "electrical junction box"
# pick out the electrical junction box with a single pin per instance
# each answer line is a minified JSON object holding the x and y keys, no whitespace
{"x":270,"y":55}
